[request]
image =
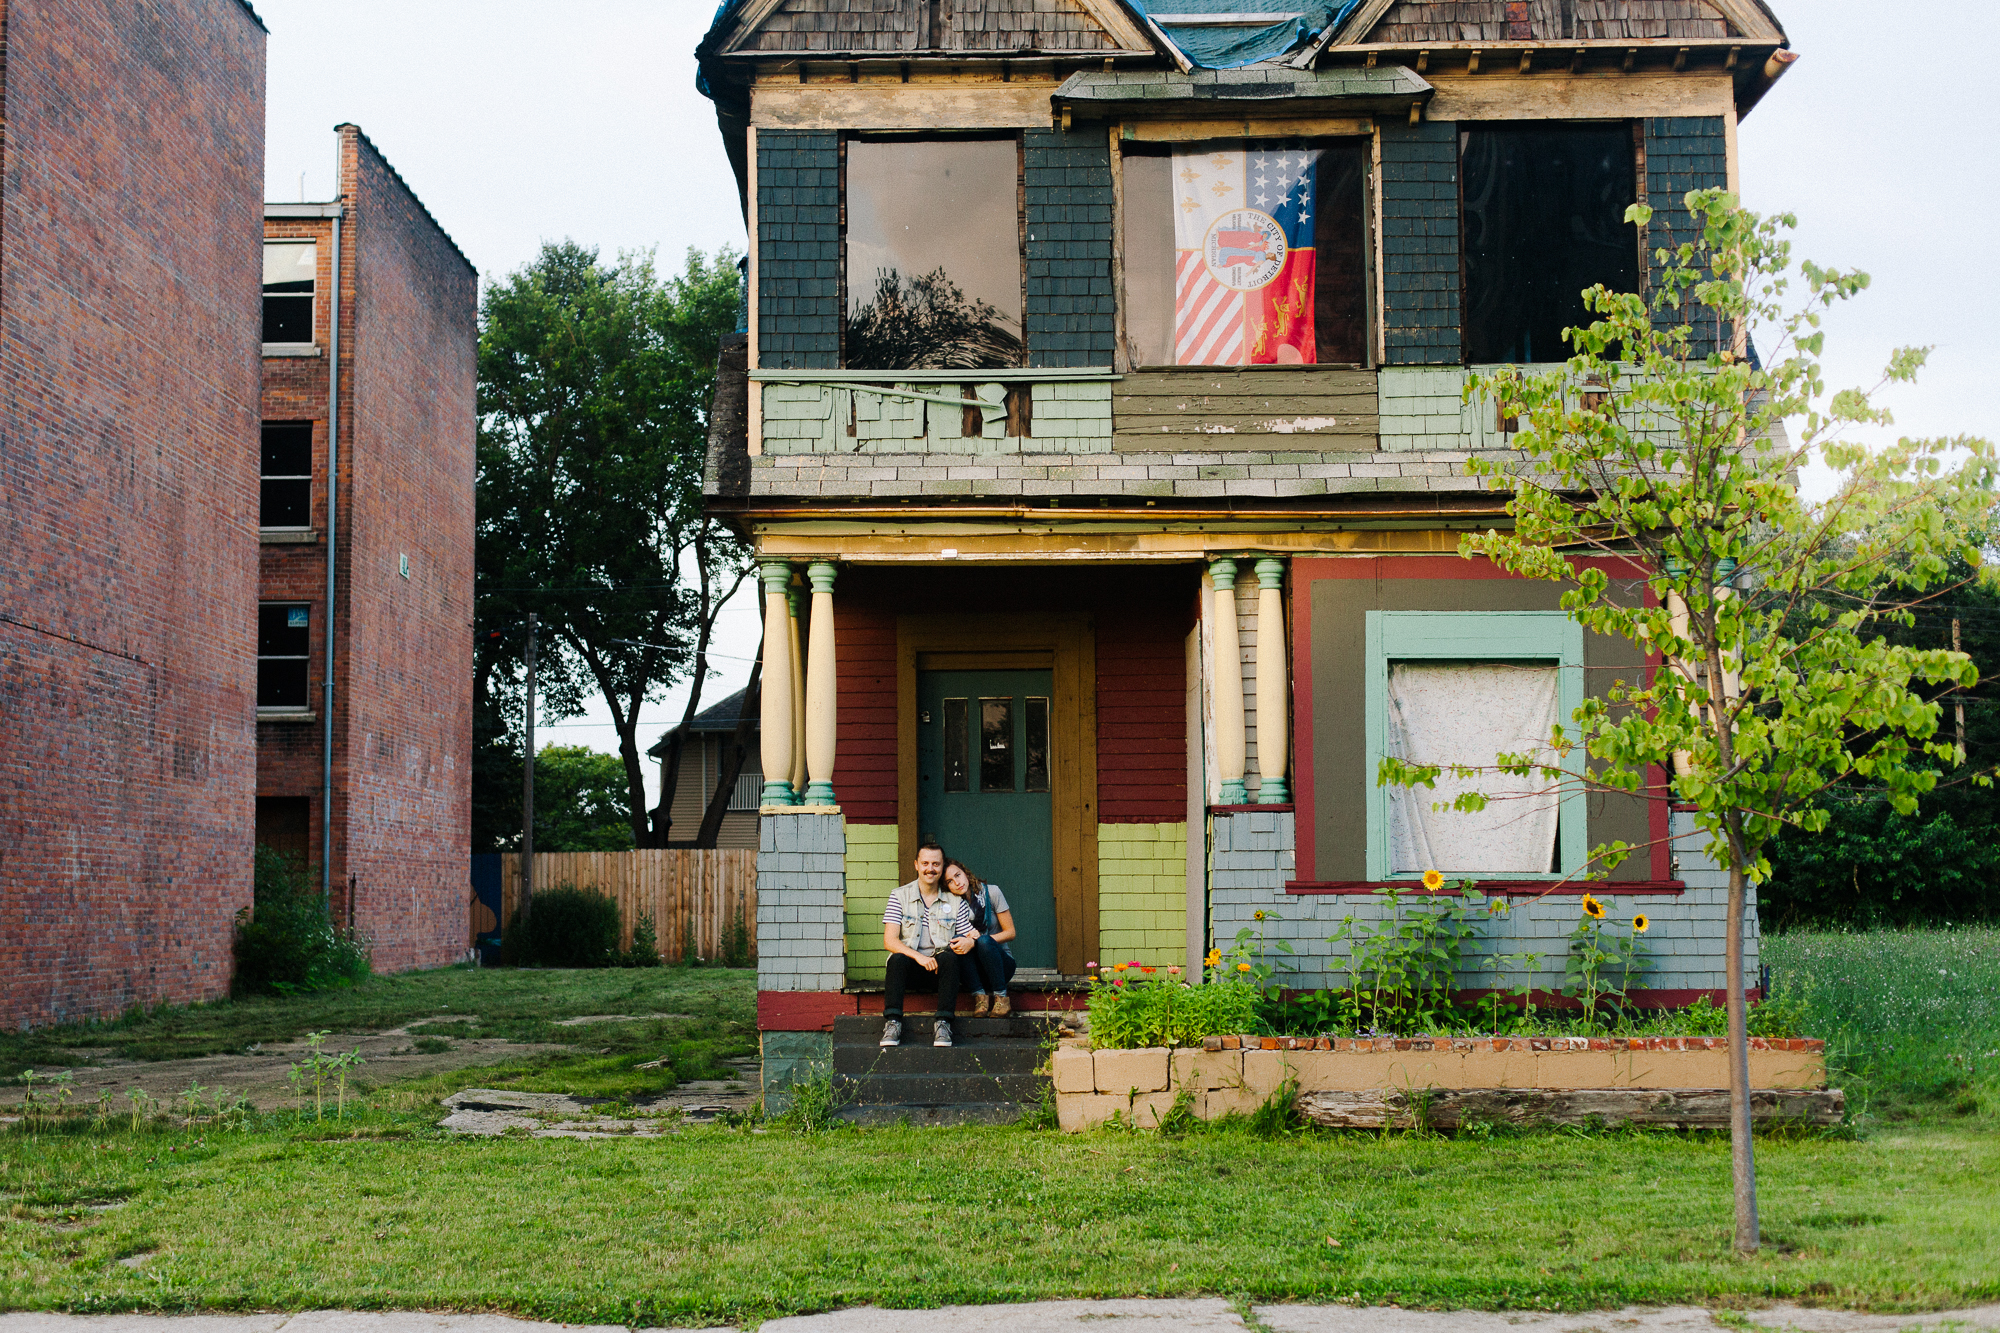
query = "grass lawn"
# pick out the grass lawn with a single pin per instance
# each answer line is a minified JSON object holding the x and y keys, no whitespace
{"x":745,"y":1222}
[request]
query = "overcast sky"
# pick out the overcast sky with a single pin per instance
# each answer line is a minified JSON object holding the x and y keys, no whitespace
{"x":519,"y":123}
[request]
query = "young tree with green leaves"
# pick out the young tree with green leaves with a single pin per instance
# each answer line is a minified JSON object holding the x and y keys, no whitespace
{"x":1771,"y":614}
{"x":594,"y":387}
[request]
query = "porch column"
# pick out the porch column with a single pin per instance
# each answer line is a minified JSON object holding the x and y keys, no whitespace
{"x":1228,"y":684}
{"x":775,"y":719}
{"x":797,"y":775}
{"x":1274,"y":712}
{"x":821,"y":687}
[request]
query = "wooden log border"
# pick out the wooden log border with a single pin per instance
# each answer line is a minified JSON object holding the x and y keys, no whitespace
{"x":1668,"y":1108}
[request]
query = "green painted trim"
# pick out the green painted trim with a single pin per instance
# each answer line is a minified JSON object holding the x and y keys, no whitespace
{"x":1010,"y":374}
{"x":1480,"y":636}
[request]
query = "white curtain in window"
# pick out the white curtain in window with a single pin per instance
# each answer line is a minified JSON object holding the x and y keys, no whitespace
{"x":1470,"y":714}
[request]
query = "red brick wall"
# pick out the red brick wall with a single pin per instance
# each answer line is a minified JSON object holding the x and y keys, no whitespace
{"x":1141,"y":615}
{"x":129,"y":223}
{"x":404,"y":645}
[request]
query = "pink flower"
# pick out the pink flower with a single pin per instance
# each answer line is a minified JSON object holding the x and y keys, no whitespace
{"x":1173,"y":971}
{"x":1119,"y":982}
{"x":1090,"y":965}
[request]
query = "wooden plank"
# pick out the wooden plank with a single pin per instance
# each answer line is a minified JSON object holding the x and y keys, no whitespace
{"x":1183,"y":130}
{"x":1669,"y":1108}
{"x":1607,"y":96}
{"x":901,"y":106}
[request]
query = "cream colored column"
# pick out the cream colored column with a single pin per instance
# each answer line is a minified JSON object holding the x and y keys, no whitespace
{"x":1226,"y":687}
{"x":822,"y":685}
{"x":1274,"y":691}
{"x":775,"y":719}
{"x":797,"y":776}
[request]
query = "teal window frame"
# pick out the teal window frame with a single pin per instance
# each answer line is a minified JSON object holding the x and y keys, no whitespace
{"x":1474,"y":637}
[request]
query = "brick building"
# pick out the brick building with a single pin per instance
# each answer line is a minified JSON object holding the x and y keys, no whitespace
{"x":1102,"y":435}
{"x":383,"y":741}
{"x":130,"y":172}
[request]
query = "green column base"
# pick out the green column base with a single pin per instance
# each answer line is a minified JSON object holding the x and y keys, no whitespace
{"x":778,"y":793}
{"x":1233,"y":792}
{"x":820,"y":793}
{"x":1274,"y":792}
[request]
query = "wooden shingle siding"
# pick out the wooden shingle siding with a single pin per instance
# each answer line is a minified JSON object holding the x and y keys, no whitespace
{"x":1070,"y":306}
{"x":1683,"y":153}
{"x":798,"y":249}
{"x":896,"y":26}
{"x":1420,"y":234}
{"x":1414,"y":21}
{"x":1320,"y":409}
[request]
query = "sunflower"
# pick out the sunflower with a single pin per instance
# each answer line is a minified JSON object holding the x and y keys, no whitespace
{"x":1433,"y":881}
{"x":1257,"y":915}
{"x":1593,"y":908}
{"x":1640,"y":925}
{"x":1214,"y":958}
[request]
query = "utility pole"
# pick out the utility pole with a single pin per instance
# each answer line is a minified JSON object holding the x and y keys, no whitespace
{"x":528,"y":786}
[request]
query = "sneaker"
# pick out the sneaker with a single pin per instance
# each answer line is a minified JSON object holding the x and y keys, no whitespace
{"x":943,"y":1037}
{"x":1003,"y":1005}
{"x":979,"y":1004}
{"x":892,"y":1032}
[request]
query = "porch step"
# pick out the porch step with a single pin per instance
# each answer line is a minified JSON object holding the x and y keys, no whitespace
{"x":987,"y":1076}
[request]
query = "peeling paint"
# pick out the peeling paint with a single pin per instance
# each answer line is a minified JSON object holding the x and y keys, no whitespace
{"x":1297,"y":424}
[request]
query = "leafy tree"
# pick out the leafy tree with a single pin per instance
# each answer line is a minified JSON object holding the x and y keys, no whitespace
{"x":928,"y":323}
{"x":579,"y":801}
{"x":1773,"y":614}
{"x":594,"y":387}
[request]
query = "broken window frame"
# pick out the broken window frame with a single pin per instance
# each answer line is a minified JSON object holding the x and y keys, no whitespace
{"x":286,"y":483}
{"x":1126,"y":209}
{"x":269,"y":664}
{"x":1473,"y":637}
{"x":292,"y":293}
{"x":1478,"y":350}
{"x":845,"y":280}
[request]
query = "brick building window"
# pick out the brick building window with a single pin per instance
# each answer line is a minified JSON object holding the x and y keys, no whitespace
{"x":1246,"y":253}
{"x":291,"y":269}
{"x":284,"y":639}
{"x":933,"y":253}
{"x":1544,"y":220}
{"x":285,"y":488}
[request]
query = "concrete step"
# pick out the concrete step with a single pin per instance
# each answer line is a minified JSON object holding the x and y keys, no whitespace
{"x":880,"y":1116}
{"x":866,"y":1029}
{"x":939,"y":1090}
{"x":926,"y":1059}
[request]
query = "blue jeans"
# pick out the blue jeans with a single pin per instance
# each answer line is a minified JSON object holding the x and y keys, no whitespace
{"x":992,"y":967}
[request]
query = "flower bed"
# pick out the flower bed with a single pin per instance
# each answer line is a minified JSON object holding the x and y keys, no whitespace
{"x":1359,"y":1081}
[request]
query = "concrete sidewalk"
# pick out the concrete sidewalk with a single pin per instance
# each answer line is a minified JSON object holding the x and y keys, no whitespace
{"x":1122,"y":1316}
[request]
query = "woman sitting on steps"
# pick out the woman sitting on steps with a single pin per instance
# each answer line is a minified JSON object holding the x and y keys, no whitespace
{"x":991,"y":961}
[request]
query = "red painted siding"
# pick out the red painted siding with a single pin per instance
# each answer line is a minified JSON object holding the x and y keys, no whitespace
{"x":864,"y":772}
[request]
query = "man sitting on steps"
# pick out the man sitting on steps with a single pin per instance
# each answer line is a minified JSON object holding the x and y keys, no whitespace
{"x":926,"y":931}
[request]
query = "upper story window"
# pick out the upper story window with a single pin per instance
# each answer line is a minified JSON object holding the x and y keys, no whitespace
{"x":284,"y":638}
{"x":933,"y":254}
{"x":1245,"y":254}
{"x":285,"y":487}
{"x":1544,"y":219}
{"x":291,"y":268}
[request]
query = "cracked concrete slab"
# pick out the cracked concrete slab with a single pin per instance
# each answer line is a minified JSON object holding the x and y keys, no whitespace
{"x":1123,"y":1316}
{"x":1633,"y":1319}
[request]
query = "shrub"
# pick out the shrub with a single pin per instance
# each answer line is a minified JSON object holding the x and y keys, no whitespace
{"x":1134,"y":1005}
{"x":569,"y":927}
{"x":286,"y":942}
{"x":645,"y":950}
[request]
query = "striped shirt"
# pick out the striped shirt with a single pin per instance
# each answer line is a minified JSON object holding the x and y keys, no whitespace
{"x":961,"y":922}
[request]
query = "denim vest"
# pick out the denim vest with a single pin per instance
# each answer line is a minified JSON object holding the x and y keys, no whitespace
{"x":943,"y":916}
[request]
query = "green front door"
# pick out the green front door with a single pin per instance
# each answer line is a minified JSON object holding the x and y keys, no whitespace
{"x":983,"y":789}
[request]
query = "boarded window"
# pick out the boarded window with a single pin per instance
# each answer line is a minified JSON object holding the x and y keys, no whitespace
{"x":1544,"y":219}
{"x":996,"y":744}
{"x":284,"y":638}
{"x":285,"y":487}
{"x":1471,"y":713}
{"x":933,"y":254}
{"x":290,"y":270}
{"x":1245,"y":253}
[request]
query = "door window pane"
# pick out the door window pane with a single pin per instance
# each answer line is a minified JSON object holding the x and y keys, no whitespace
{"x":285,"y":498}
{"x":1036,"y":745}
{"x":933,"y":254}
{"x":1245,"y":253}
{"x":284,"y":637}
{"x":290,"y":269}
{"x":957,"y":747}
{"x":996,"y":745}
{"x":1544,"y":220}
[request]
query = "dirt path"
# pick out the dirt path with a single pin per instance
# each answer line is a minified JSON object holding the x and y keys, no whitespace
{"x":260,"y":1076}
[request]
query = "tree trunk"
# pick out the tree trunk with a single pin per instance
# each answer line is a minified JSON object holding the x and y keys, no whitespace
{"x":1742,"y":1166}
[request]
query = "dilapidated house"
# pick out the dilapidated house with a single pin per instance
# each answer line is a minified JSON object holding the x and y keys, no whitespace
{"x":1101,"y":412}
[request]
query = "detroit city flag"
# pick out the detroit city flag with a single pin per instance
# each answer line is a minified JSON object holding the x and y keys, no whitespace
{"x":1243,"y":262}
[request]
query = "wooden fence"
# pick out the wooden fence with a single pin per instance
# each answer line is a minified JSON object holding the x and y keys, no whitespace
{"x":694,"y":896}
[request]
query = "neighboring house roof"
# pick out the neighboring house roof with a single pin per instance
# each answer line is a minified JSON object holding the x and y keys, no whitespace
{"x":720,"y":718}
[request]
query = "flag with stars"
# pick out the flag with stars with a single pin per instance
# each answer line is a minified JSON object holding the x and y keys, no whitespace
{"x":1243,"y":255}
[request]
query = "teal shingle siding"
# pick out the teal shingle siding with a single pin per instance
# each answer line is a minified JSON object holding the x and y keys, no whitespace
{"x":1683,"y":153}
{"x":1070,"y":314}
{"x":798,"y":249}
{"x":1420,"y":278}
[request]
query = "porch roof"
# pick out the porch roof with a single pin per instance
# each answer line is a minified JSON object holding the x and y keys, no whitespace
{"x":1130,"y":91}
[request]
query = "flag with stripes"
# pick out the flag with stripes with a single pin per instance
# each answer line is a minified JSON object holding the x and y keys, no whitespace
{"x":1243,"y":255}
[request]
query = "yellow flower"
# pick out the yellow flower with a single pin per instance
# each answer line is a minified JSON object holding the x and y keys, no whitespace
{"x":1257,"y":915}
{"x":1640,"y":925}
{"x":1243,"y":967}
{"x":1433,"y":880}
{"x":1593,"y":908}
{"x":1214,"y":958}
{"x":1120,"y":967}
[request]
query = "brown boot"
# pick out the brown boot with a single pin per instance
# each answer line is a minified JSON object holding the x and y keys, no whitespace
{"x":979,"y":1003}
{"x":1003,"y":1005}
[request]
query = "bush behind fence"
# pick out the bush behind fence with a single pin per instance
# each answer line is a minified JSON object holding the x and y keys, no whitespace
{"x":697,"y":898}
